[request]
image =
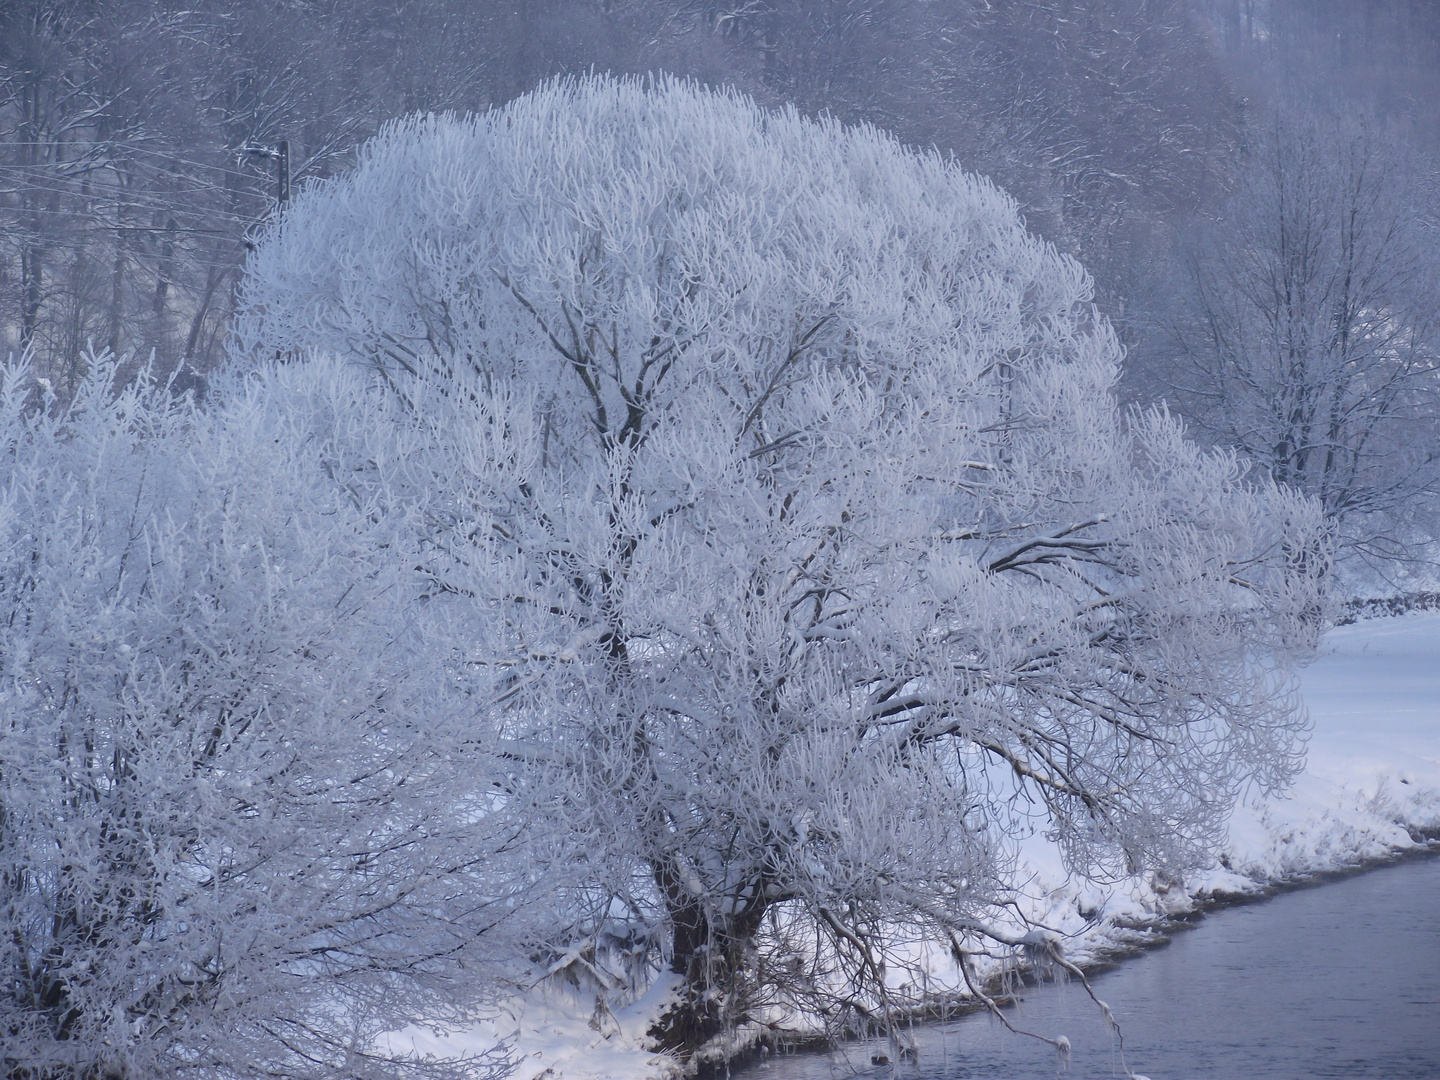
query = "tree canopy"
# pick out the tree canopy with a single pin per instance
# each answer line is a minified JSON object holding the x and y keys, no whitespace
{"x":799,"y":525}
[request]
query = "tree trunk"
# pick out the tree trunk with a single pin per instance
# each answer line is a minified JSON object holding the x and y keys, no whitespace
{"x":32,"y":261}
{"x":117,"y":288}
{"x":192,"y":340}
{"x":715,"y":961}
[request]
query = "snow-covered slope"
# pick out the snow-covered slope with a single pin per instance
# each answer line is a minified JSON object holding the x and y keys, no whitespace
{"x":1370,"y":791}
{"x":1374,"y":697}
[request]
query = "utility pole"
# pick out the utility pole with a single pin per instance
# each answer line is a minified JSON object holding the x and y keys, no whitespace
{"x":281,"y":156}
{"x":282,"y":175}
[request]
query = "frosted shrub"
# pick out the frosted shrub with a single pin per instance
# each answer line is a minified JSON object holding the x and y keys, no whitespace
{"x":808,"y":556}
{"x":244,"y":824}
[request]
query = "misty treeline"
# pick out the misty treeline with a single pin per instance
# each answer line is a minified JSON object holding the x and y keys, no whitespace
{"x":140,"y":151}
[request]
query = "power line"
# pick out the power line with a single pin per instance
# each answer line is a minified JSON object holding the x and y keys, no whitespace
{"x":82,"y":215}
{"x":77,"y":177}
{"x":132,"y":200}
{"x":165,"y":155}
{"x":126,"y":203}
{"x":156,"y":197}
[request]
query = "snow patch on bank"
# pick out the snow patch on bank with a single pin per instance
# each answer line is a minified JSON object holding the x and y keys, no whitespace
{"x":556,"y":1033}
{"x":1370,"y":791}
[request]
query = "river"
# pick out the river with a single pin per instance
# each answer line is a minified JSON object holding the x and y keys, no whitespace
{"x":1335,"y":980}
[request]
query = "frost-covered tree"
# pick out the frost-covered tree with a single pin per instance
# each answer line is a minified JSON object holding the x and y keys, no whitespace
{"x":246,"y":824}
{"x":1309,"y":331}
{"x":805,"y":543}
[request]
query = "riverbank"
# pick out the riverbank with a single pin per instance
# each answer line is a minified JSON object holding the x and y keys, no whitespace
{"x":1370,"y":793}
{"x":1243,"y":992}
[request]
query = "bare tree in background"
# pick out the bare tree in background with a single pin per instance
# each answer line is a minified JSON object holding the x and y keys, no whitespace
{"x":127,"y":185}
{"x":1311,"y":332}
{"x":127,"y":199}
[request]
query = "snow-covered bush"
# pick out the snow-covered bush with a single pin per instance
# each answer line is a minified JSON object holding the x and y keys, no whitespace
{"x":810,"y":560}
{"x":245,"y":822}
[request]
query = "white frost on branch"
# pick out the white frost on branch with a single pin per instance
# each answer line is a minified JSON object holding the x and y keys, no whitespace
{"x":246,"y":826}
{"x":783,"y":479}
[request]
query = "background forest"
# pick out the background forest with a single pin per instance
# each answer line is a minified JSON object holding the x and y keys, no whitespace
{"x":140,"y":151}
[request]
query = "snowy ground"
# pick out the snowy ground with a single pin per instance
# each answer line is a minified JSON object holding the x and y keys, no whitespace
{"x":1370,"y":791}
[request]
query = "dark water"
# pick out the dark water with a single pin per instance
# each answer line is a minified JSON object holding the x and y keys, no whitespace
{"x":1337,"y":980}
